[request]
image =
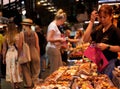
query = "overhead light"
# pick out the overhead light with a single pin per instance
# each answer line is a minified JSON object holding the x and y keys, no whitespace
{"x":22,"y":2}
{"x":51,"y":7}
{"x":38,"y":3}
{"x":51,"y":10}
{"x":44,"y":4}
{"x":23,"y":12}
{"x":49,"y":3}
{"x":112,"y":3}
{"x":42,"y":1}
{"x":54,"y":9}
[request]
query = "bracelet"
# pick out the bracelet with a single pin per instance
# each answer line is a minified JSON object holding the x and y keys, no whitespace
{"x":108,"y":47}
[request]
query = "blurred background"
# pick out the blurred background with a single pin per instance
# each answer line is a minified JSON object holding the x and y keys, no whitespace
{"x":43,"y":11}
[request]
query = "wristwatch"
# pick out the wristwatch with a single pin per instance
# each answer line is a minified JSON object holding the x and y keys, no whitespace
{"x":108,"y":47}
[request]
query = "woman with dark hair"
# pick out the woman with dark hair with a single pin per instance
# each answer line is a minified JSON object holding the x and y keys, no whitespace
{"x":42,"y":45}
{"x":106,"y":35}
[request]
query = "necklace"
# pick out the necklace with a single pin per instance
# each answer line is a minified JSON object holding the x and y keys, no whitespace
{"x":106,"y":28}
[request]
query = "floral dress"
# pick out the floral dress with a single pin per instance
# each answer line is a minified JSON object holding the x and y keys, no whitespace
{"x":12,"y":66}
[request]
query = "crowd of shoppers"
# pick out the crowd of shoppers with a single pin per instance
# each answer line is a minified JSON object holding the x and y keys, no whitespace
{"x":11,"y":49}
{"x":105,"y":35}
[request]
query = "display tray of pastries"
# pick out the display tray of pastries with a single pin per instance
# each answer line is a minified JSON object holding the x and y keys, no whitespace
{"x":102,"y":81}
{"x":75,"y":54}
{"x":117,"y":71}
{"x":94,"y":82}
{"x":73,"y":67}
{"x":71,"y":72}
{"x":55,"y":75}
{"x":85,"y":68}
{"x":52,"y":86}
{"x":64,"y":83}
{"x":65,"y":77}
{"x":83,"y":76}
{"x":88,"y":68}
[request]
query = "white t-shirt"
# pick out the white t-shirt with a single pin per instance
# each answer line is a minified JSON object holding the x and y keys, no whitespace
{"x":53,"y":26}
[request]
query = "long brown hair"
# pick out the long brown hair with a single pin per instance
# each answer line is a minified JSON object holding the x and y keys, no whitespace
{"x":11,"y":33}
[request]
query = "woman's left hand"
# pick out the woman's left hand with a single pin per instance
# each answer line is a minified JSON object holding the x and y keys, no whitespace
{"x":102,"y":46}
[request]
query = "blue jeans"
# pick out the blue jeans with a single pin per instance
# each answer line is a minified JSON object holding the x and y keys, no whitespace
{"x":42,"y":58}
{"x":110,"y":67}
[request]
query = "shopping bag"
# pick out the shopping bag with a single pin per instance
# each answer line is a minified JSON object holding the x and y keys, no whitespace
{"x":96,"y":55}
{"x":25,"y":54}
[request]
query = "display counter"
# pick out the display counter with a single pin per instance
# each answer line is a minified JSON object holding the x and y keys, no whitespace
{"x":82,"y":75}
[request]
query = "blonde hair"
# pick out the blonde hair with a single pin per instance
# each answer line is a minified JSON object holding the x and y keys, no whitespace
{"x":60,"y":15}
{"x":80,"y":33}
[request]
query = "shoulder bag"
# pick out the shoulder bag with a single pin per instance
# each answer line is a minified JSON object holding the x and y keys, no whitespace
{"x":24,"y":56}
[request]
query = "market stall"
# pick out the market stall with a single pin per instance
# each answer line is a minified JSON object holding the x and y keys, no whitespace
{"x":82,"y":75}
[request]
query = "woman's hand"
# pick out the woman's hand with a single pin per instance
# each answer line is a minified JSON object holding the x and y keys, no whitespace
{"x":102,"y":46}
{"x":94,"y":15}
{"x":62,"y":40}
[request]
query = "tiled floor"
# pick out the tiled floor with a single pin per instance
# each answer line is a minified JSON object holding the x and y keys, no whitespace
{"x":5,"y":85}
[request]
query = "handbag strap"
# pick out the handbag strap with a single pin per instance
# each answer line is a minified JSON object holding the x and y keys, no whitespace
{"x":23,"y":37}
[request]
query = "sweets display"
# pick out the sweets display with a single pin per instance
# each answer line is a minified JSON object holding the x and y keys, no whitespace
{"x":77,"y":52}
{"x":82,"y":76}
{"x":117,"y":71}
